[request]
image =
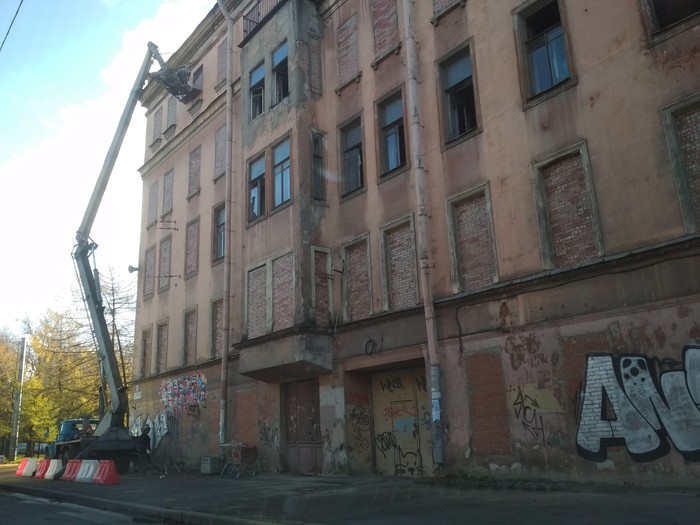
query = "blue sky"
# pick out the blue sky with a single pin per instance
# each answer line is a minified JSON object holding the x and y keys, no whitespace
{"x":66,"y":69}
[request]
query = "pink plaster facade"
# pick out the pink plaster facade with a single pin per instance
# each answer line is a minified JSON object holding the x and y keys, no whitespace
{"x":560,"y":239}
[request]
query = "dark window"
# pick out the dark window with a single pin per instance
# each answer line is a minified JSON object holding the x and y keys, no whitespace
{"x":668,"y":12}
{"x":352,"y":157}
{"x":219,"y":232}
{"x":281,"y":173}
{"x":198,"y":78}
{"x":317,"y":175}
{"x":393,"y":143}
{"x":459,"y":102}
{"x":546,"y":49}
{"x":280,"y":73}
{"x":256,"y":185}
{"x":257,"y":91}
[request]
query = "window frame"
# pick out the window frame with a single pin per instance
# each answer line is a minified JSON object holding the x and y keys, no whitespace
{"x":318,"y":172}
{"x":397,"y":128}
{"x":257,"y":92}
{"x":280,"y":74}
{"x":346,"y":154}
{"x":256,"y":182}
{"x":449,"y":111}
{"x":285,"y":171}
{"x":521,"y":16}
{"x":219,"y":233}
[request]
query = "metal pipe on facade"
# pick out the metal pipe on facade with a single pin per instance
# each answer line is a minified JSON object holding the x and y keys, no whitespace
{"x":423,"y":236}
{"x":223,"y":417}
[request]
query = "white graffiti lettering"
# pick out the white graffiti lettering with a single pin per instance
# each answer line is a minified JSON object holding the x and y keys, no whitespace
{"x":625,"y":403}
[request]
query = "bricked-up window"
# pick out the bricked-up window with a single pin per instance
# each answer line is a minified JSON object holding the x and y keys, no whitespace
{"x":162,"y":347}
{"x":283,"y":292}
{"x":219,"y":232}
{"x":281,"y":173}
{"x":172,"y":116}
{"x":318,"y":178}
{"x":164,"y":263}
{"x":321,"y":295}
{"x":217,"y":327}
{"x":256,"y":188}
{"x":458,"y":95}
{"x":153,"y":203}
{"x":351,"y":137}
{"x":315,"y":79}
{"x":257,"y":91}
{"x":157,"y":125}
{"x":542,"y":45}
{"x":149,"y":275}
{"x":488,"y":405}
{"x":567,"y":211}
{"x":682,"y":126}
{"x":168,"y":180}
{"x":221,"y":54}
{"x":220,"y":152}
{"x":192,"y":248}
{"x":475,"y":262}
{"x":356,"y":281}
{"x":393,"y":141}
{"x":146,"y":351}
{"x":190,"y":342}
{"x":280,"y":73}
{"x":666,"y":13}
{"x":256,"y":315}
{"x":385,"y":25}
{"x":348,"y":52}
{"x":194,"y":172}
{"x":400,"y":254}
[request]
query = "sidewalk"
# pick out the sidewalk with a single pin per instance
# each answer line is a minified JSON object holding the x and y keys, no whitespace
{"x":199,"y":499}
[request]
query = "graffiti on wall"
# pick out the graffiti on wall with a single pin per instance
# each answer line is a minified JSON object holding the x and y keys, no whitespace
{"x":625,"y":401}
{"x":184,"y":394}
{"x":268,"y":425}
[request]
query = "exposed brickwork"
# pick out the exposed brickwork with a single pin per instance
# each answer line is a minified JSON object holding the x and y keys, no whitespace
{"x":348,"y":52}
{"x":192,"y":248}
{"x":321,"y":299}
{"x":168,"y":179}
{"x":315,"y":77}
{"x":358,"y":299}
{"x":190,"y":337}
{"x":149,"y":275}
{"x":487,"y":402}
{"x":195,"y":167}
{"x":164,"y":263}
{"x":246,"y":421}
{"x":688,"y":125}
{"x":157,"y":124}
{"x":153,"y":203}
{"x":146,"y":352}
{"x":570,"y":213}
{"x":474,"y":243}
{"x":257,"y":299}
{"x":574,"y":351}
{"x":401,"y":262}
{"x":217,"y":327}
{"x":386,"y":26}
{"x":162,"y":348}
{"x":283,"y":292}
{"x":220,"y":152}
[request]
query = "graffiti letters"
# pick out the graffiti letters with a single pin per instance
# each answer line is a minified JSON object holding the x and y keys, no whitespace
{"x":391,"y":384}
{"x":358,"y":398}
{"x":385,"y":442}
{"x":268,"y":433}
{"x":525,"y":408}
{"x":624,"y":401}
{"x":421,"y":383}
{"x":398,"y":411}
{"x":184,"y":394}
{"x":360,"y":422}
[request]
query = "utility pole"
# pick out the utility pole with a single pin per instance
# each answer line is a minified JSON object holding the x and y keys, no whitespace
{"x":17,"y":400}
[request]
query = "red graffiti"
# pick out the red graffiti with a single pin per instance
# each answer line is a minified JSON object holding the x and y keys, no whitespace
{"x":395,"y":412}
{"x":359,"y":398}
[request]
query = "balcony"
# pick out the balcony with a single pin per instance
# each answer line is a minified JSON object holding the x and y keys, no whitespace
{"x":257,"y":16}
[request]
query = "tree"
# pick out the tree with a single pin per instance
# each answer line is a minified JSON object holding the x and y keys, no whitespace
{"x":8,"y":382}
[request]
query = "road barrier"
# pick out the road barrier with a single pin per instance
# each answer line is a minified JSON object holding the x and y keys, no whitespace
{"x":42,"y":468}
{"x":55,"y":466}
{"x":106,"y":473}
{"x":87,"y":471}
{"x":72,"y":469}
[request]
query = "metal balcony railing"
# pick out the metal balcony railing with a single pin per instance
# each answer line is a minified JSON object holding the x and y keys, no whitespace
{"x":258,"y":15}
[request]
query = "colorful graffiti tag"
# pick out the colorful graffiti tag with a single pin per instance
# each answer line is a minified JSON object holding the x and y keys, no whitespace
{"x":188,"y":393}
{"x":625,"y":401}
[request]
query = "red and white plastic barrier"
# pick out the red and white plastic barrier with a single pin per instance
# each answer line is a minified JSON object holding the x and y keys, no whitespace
{"x":87,"y":471}
{"x":42,"y":468}
{"x":71,"y":470}
{"x":106,"y":473}
{"x":55,"y":466}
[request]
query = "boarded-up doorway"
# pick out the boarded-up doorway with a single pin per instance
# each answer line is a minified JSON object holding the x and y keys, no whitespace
{"x":402,"y":423}
{"x":302,"y":427}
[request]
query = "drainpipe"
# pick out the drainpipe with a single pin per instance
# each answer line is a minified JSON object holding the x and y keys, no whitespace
{"x":223,"y":419}
{"x":423,"y":236}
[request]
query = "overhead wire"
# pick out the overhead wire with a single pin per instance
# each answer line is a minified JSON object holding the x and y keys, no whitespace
{"x":11,"y":24}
